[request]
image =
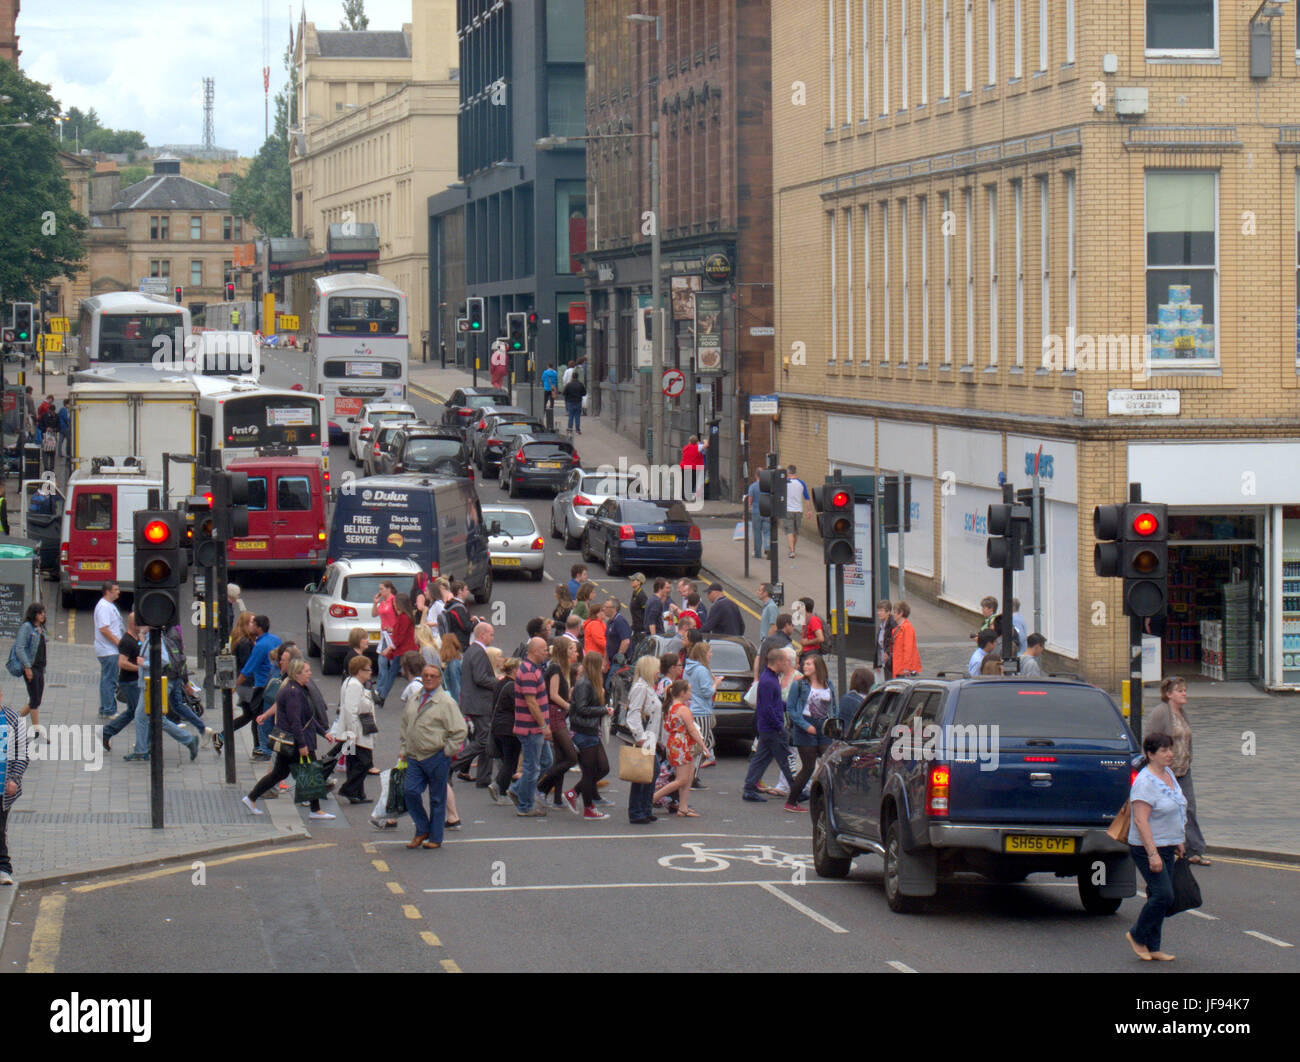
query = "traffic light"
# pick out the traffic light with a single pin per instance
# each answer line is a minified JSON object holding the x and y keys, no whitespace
{"x":203,"y":523}
{"x":533,"y":322}
{"x":230,"y":505}
{"x":772,"y":485}
{"x":1025,"y":496}
{"x":22,"y":322}
{"x":180,"y":294}
{"x":517,"y":332}
{"x":1005,"y":547}
{"x":49,"y":302}
{"x":230,"y":291}
{"x":834,"y":505}
{"x":159,"y":566}
{"x":474,"y":308}
{"x":1134,"y":546}
{"x":889,"y":514}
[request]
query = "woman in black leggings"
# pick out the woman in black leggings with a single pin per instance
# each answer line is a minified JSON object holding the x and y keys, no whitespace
{"x":586,"y":712}
{"x":295,"y":715}
{"x":563,"y":651}
{"x":505,"y":745}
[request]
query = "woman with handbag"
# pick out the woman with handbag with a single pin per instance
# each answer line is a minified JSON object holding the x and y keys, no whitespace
{"x":559,"y":678}
{"x":29,"y":652}
{"x":1170,"y":717}
{"x":1158,"y":819}
{"x":356,"y":728}
{"x":644,"y":721}
{"x":810,"y":703}
{"x":587,"y":710}
{"x":506,"y":747}
{"x":684,"y":742}
{"x":294,"y":736}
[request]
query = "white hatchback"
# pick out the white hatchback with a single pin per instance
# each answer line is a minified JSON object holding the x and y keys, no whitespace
{"x":342,"y":600}
{"x":372,"y":414}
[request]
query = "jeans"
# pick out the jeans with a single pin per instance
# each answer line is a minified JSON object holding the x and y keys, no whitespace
{"x":771,"y":746}
{"x":430,"y":774}
{"x":640,"y":798}
{"x":525,"y":789}
{"x":807,"y":764}
{"x":143,"y":732}
{"x":1160,"y":895}
{"x":118,"y":723}
{"x":107,"y":684}
{"x":760,"y":530}
{"x":264,"y":735}
{"x":387,"y":676}
{"x":181,"y":709}
{"x":574,"y":410}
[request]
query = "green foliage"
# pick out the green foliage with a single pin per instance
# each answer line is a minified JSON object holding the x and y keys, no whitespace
{"x":131,"y":174}
{"x":42,"y":236}
{"x":89,"y":132}
{"x":354,"y":15}
{"x":263,"y":195}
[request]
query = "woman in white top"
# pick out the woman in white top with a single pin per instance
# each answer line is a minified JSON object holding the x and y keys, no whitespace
{"x":426,"y":637}
{"x":358,"y":746}
{"x":441,"y":591}
{"x":1156,"y":836}
{"x":645,"y":720}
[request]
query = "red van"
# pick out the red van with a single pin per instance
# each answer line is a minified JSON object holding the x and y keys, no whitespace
{"x":286,"y":514}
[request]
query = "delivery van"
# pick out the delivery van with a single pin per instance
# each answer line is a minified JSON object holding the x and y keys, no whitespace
{"x":286,"y":513}
{"x":97,"y":539}
{"x":435,"y":521}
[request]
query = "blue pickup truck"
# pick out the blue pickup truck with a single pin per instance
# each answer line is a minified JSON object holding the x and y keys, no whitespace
{"x":1003,"y":777}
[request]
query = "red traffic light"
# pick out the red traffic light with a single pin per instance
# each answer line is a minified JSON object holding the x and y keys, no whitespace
{"x":1145,"y":524}
{"x":157,"y":532}
{"x":839,"y":499}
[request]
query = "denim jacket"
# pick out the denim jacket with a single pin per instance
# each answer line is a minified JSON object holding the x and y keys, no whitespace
{"x":796,"y":719}
{"x":28,"y":641}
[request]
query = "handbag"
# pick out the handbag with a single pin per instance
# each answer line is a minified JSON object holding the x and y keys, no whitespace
{"x":13,"y":665}
{"x":1187,"y":894}
{"x":1118,"y":828}
{"x":636,"y":765}
{"x":368,"y":724}
{"x":281,"y":741}
{"x":308,"y":781}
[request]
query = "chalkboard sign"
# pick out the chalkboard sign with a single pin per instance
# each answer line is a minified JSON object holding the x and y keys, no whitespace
{"x":13,"y":604}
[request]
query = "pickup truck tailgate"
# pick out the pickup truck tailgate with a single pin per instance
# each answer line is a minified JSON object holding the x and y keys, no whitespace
{"x":1029,"y":754}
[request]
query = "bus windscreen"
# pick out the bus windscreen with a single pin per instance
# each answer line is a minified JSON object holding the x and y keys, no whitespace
{"x":272,"y":420}
{"x":129,"y":338}
{"x":368,"y":315}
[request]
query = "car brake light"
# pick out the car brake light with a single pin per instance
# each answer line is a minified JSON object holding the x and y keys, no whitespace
{"x":625,"y":533}
{"x":575,"y":459}
{"x":365,"y":432}
{"x":1040,"y":759}
{"x":1132,"y":777}
{"x":539,"y":543}
{"x":936,"y":790}
{"x":464,"y":412}
{"x":325,"y":476}
{"x":481,"y":425}
{"x":320,"y":535}
{"x":494,"y":442}
{"x":520,"y":457}
{"x":582,"y":499}
{"x":434,"y":571}
{"x":63,"y":560}
{"x":342,"y":611}
{"x":694,"y":535}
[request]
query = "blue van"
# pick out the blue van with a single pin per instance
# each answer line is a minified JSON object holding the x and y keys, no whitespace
{"x":435,"y":521}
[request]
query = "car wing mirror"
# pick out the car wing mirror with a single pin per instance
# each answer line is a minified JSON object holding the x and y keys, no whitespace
{"x":494,"y":529}
{"x":833,"y":729}
{"x":310,"y":588}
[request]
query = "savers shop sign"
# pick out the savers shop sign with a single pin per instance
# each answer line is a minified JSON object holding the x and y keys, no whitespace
{"x":386,"y":522}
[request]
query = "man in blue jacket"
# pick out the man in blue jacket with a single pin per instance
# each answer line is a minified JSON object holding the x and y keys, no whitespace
{"x":769,"y":721}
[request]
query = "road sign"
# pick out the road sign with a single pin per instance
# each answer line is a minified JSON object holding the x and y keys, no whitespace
{"x":763,"y":406}
{"x":674,"y":383}
{"x":287,"y":322}
{"x":50,"y":343}
{"x":462,"y":323}
{"x":7,"y":336}
{"x":762,"y":331}
{"x":58,"y":324}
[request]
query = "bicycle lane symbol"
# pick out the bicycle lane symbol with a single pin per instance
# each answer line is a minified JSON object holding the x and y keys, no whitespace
{"x":700,"y":859}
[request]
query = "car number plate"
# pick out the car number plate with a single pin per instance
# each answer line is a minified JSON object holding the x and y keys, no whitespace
{"x":95,"y":566}
{"x":506,"y":562}
{"x":251,"y":545}
{"x":374,"y":636}
{"x":728,"y":698}
{"x":549,"y":464}
{"x":1022,"y":842}
{"x":661,"y":538}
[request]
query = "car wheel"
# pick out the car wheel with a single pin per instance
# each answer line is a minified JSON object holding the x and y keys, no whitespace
{"x":555,"y":531}
{"x":511,"y":489}
{"x":587,"y":555}
{"x":826,"y":864}
{"x":501,"y":476}
{"x":68,"y":600}
{"x":482,"y":595}
{"x":692,"y":571}
{"x":330,"y":664}
{"x":898,"y":903}
{"x":612,"y":567}
{"x":569,"y":541}
{"x":536,"y":575}
{"x":313,"y":649}
{"x":1093,"y":901}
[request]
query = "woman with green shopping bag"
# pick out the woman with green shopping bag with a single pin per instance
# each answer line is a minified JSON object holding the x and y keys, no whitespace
{"x":294,"y":736}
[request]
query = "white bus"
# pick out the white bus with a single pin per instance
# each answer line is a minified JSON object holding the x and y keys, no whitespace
{"x":358,"y":342}
{"x":130,"y":328}
{"x":239,"y":418}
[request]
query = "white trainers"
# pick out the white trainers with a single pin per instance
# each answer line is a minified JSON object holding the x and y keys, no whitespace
{"x":6,"y":878}
{"x":320,"y":815}
{"x":250,"y":805}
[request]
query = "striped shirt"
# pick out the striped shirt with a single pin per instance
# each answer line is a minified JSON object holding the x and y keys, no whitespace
{"x":13,"y":754}
{"x":529,"y":681}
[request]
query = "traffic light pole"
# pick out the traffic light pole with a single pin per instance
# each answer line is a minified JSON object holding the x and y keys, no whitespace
{"x":774,"y":551}
{"x":1135,"y":651}
{"x":842,"y":614}
{"x":227,"y":696}
{"x":155,"y":728}
{"x":1008,"y":589}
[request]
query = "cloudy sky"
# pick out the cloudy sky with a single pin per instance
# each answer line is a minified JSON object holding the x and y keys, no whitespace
{"x":141,"y":63}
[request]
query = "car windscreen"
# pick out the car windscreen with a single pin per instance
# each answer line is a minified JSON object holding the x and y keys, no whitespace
{"x":363,"y":588}
{"x":510,"y":431}
{"x":607,"y":485}
{"x":419,"y":451}
{"x":378,"y":416}
{"x":1039,"y":710}
{"x":548,"y":451}
{"x":644,"y":512}
{"x":729,"y":657}
{"x":479,"y":401}
{"x":513,"y":525}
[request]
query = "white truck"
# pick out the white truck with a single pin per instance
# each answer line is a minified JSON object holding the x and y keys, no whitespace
{"x":142,"y":420}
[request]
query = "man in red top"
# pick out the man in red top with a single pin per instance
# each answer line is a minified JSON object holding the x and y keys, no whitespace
{"x":693,"y":467}
{"x":814,"y":631}
{"x":385,"y":607}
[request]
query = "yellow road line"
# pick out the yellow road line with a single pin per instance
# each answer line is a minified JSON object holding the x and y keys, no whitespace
{"x":1294,"y":868}
{"x":379,"y":865}
{"x":47,"y":933}
{"x":411,"y":911}
{"x":431,"y":939}
{"x":395,"y":888}
{"x":425,"y":391}
{"x":72,"y":626}
{"x":188,"y":867}
{"x":449,"y":965}
{"x":369,"y":849}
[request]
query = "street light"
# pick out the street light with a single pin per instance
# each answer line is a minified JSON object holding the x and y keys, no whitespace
{"x":16,"y":125}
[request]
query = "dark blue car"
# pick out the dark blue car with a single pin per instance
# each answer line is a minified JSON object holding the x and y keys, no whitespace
{"x":633,"y":533}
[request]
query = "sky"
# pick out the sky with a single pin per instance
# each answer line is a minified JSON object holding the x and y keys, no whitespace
{"x":141,"y":63}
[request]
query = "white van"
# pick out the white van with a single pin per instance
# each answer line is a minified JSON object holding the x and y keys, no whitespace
{"x":97,"y":541}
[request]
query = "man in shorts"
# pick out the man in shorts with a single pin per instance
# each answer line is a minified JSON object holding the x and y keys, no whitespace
{"x":798,"y":500}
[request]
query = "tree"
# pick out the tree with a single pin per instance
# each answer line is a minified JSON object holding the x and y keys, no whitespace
{"x":354,"y":15}
{"x":263,"y":194}
{"x":42,"y":236}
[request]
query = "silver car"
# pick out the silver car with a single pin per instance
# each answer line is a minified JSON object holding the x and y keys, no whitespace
{"x":361,"y":431}
{"x":514,"y":542}
{"x":581,"y":495}
{"x":342,"y":600}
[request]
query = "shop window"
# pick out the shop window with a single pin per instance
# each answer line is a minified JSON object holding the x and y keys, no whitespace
{"x":1182,"y":273}
{"x":570,"y":225}
{"x":1182,"y":28}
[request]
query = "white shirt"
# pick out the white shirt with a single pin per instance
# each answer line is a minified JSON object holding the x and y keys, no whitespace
{"x":795,"y":496}
{"x":414,"y":686}
{"x":107,"y":615}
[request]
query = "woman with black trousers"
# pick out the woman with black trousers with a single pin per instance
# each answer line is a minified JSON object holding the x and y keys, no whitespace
{"x":294,"y":714}
{"x":505,"y":745}
{"x":557,"y":679}
{"x":586,"y":712}
{"x":30,"y":650}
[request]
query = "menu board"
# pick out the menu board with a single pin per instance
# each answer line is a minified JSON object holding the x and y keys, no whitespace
{"x":13,"y":604}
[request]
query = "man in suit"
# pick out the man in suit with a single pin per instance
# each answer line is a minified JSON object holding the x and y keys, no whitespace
{"x":478,"y":687}
{"x":723,"y":616}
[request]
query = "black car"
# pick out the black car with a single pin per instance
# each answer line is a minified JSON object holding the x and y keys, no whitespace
{"x":418,"y":448}
{"x":499,"y":434}
{"x":537,"y":461}
{"x":479,"y":421}
{"x":637,"y":533}
{"x":380,"y":445}
{"x":464,"y":402}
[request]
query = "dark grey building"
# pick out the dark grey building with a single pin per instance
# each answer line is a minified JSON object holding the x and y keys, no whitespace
{"x":513,"y":227}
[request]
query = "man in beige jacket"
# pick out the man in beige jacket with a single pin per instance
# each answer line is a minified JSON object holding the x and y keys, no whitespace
{"x":433,"y":730}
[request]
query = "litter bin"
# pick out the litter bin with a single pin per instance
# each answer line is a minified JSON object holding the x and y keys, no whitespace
{"x":19,"y":585}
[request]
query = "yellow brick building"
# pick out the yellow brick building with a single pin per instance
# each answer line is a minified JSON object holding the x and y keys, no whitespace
{"x":1006,"y":225}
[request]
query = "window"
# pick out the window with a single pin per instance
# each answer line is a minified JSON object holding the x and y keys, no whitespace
{"x":1297,"y":268}
{"x":228,"y":272}
{"x":257,"y":493}
{"x":1182,"y":27}
{"x":884,"y":58}
{"x":925,"y":56}
{"x":1182,"y":258}
{"x":196,"y":272}
{"x":923,"y":226}
{"x":1018,"y":193}
{"x":160,"y":267}
{"x":227,"y":228}
{"x":968,"y":75}
{"x":93,"y":512}
{"x":196,"y":228}
{"x":993,"y":42}
{"x":565,"y":36}
{"x":904,"y":256}
{"x":902,"y":55}
{"x":1044,"y":261}
{"x":848,"y":60}
{"x":293,"y":494}
{"x":866,"y":284}
{"x":1017,"y":41}
{"x":1069,"y":32}
{"x":848,"y":269}
{"x":860,"y":728}
{"x":945,"y":205}
{"x":1072,"y":243}
{"x":866,"y":61}
{"x":835,"y":291}
{"x":570,"y":226}
{"x":994,"y":323}
{"x":159,"y":226}
{"x":566,"y":101}
{"x":886,"y":716}
{"x":1044,"y":29}
{"x":830,"y":17}
{"x":884,"y":260}
{"x":968,"y":201}
{"x":947,"y":50}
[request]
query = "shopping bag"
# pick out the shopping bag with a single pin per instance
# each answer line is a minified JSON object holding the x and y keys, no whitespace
{"x":1187,"y":893}
{"x":751,"y":695}
{"x":308,"y":781}
{"x":636,"y":765}
{"x":1118,"y":828}
{"x":396,"y":802}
